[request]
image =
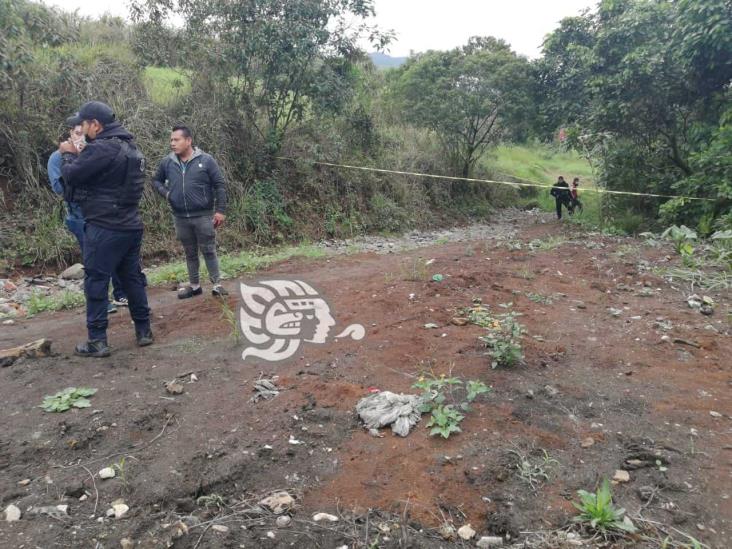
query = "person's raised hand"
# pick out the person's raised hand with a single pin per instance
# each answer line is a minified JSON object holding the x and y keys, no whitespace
{"x":68,"y":147}
{"x":218,"y":220}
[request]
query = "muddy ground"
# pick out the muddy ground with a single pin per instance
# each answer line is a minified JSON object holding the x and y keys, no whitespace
{"x":600,"y":385}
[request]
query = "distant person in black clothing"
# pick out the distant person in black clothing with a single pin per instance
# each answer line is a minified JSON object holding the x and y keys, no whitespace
{"x":560,"y":192}
{"x":576,"y":204}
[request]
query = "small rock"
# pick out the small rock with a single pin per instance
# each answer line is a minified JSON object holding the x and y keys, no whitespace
{"x":447,"y":531}
{"x":586,"y":443}
{"x":715,"y":414}
{"x":271,"y":534}
{"x":278,"y":502}
{"x":621,"y":476}
{"x":466,"y":532}
{"x":75,"y":272}
{"x":194,"y":378}
{"x":220,"y":528}
{"x":283,"y":521}
{"x":126,"y":543}
{"x":119,"y":510}
{"x":8,"y":322}
{"x":174,"y":388}
{"x":12,"y":513}
{"x":489,"y":541}
{"x":24,"y":482}
{"x":581,"y":305}
{"x":457,"y":321}
{"x":431,"y":325}
{"x":551,"y":391}
{"x":107,"y":472}
{"x":317,"y":517}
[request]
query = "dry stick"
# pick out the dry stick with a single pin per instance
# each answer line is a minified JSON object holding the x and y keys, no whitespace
{"x":96,"y":492}
{"x":201,"y":536}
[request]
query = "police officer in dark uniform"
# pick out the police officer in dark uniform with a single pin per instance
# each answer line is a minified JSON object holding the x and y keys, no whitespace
{"x":107,"y":180}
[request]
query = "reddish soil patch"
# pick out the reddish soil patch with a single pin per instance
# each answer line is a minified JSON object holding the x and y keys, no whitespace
{"x":587,"y":374}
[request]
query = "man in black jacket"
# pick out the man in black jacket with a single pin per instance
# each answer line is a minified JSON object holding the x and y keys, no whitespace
{"x":107,"y":180}
{"x":192,"y":183}
{"x":560,"y":192}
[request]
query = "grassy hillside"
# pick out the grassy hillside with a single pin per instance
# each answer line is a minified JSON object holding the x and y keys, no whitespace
{"x":166,"y":85}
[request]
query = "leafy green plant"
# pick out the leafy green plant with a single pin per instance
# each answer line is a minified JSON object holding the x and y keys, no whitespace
{"x":599,"y":513}
{"x":442,"y":396}
{"x":122,"y":473}
{"x":67,"y":299}
{"x":504,"y":340}
{"x":70,"y":397}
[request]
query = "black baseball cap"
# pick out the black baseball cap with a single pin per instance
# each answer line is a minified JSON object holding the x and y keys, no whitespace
{"x":93,"y":110}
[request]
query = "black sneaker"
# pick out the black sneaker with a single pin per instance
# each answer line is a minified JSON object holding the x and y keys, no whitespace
{"x":111,"y":308}
{"x":218,"y":290}
{"x":97,"y":348}
{"x":144,"y":338}
{"x":187,"y":291}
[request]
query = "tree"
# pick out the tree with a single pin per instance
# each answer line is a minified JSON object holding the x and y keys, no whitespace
{"x":275,"y":59}
{"x":464,"y":96}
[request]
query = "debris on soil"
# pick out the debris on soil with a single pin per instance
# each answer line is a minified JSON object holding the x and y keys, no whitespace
{"x":447,"y":531}
{"x":12,"y":513}
{"x":715,"y":414}
{"x":35,"y":349}
{"x":621,"y":476}
{"x":220,"y":528}
{"x":174,"y":388}
{"x":400,"y":411}
{"x":126,"y":543}
{"x":587,"y":442}
{"x":107,"y":472}
{"x":437,"y":278}
{"x":459,"y":321}
{"x":686,"y":342}
{"x":283,"y":521}
{"x":317,"y":517}
{"x":119,"y":509}
{"x":278,"y":503}
{"x":466,"y":532}
{"x":264,"y":389}
{"x":431,"y":325}
{"x":486,"y":542}
{"x":59,"y":512}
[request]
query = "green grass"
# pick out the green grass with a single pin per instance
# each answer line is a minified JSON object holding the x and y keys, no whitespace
{"x":166,"y":85}
{"x":539,"y":163}
{"x":67,"y":299}
{"x":234,"y":264}
{"x":543,"y":164}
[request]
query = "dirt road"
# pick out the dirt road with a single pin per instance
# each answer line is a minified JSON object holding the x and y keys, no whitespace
{"x":601,"y":389}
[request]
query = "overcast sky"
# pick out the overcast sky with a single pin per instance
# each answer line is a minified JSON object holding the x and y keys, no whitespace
{"x":434,"y":24}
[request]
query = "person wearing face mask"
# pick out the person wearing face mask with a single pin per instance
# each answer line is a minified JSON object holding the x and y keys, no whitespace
{"x":107,"y":178}
{"x":74,"y":220}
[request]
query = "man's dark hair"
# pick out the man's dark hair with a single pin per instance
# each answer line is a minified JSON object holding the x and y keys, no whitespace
{"x":185,"y":130}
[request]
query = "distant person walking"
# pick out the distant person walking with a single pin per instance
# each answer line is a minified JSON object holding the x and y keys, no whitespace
{"x":74,"y":218}
{"x":192,"y":183}
{"x":562,"y":197}
{"x":574,"y":193}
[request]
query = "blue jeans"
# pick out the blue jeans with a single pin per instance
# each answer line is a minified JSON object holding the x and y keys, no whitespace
{"x":107,"y":252}
{"x":76,"y":226}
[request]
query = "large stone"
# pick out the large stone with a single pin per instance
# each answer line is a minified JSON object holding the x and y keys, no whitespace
{"x":466,"y":532}
{"x":75,"y":272}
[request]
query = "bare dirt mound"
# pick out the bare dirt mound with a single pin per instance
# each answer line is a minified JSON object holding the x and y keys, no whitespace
{"x":619,"y":374}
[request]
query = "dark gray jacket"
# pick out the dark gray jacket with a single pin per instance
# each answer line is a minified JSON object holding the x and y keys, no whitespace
{"x":193,"y":189}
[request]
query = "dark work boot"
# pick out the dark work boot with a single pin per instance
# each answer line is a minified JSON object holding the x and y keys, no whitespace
{"x":144,"y":338}
{"x":97,"y":348}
